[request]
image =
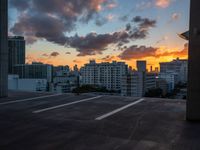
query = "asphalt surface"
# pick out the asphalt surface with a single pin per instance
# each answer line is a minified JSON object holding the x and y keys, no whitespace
{"x":42,"y":121}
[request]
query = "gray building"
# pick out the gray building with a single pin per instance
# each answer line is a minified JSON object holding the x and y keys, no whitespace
{"x":16,"y":52}
{"x":137,"y":83}
{"x":177,"y":66}
{"x":34,"y":71}
{"x":141,"y":65}
{"x":3,"y":48}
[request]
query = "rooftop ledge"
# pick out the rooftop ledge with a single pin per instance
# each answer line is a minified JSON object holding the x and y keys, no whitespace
{"x":42,"y":121}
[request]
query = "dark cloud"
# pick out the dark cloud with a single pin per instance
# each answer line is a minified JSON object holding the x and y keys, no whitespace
{"x":94,"y":43}
{"x":51,"y":19}
{"x":54,"y":54}
{"x":144,"y":23}
{"x":77,"y":61}
{"x":20,"y":5}
{"x":108,"y":58}
{"x":137,"y":52}
{"x":124,"y":18}
{"x":100,"y":21}
{"x":140,"y":52}
{"x":45,"y":55}
{"x":68,"y":53}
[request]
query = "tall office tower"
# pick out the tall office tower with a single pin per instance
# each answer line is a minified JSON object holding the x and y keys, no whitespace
{"x":141,"y":66}
{"x":16,"y":52}
{"x":3,"y":48}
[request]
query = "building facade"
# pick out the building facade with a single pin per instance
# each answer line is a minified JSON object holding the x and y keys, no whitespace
{"x":16,"y":51}
{"x":30,"y":85}
{"x":141,"y":65}
{"x":171,"y":78}
{"x":138,"y":83}
{"x":178,"y":66}
{"x":107,"y":75}
{"x":34,"y":71}
{"x":3,"y":48}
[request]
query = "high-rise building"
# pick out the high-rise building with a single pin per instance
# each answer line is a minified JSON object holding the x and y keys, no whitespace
{"x":34,"y":71}
{"x":3,"y":48}
{"x":137,"y":83}
{"x":141,"y":65}
{"x":16,"y":51}
{"x":104,"y":74}
{"x":178,"y":66}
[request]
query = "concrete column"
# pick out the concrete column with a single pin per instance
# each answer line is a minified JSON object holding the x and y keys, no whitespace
{"x":193,"y":103}
{"x":3,"y":48}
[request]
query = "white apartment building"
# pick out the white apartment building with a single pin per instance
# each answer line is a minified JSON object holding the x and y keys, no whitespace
{"x":178,"y":66}
{"x":105,"y":74}
{"x":138,"y":83}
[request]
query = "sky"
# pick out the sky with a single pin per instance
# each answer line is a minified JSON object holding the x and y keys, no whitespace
{"x":69,"y":32}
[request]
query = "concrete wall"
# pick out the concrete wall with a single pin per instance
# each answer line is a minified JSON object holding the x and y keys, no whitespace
{"x":193,"y":103}
{"x":3,"y":48}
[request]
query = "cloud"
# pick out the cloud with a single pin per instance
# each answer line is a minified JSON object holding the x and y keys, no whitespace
{"x":144,"y":5}
{"x":52,"y":19}
{"x":137,"y":52}
{"x":164,"y":38}
{"x":110,"y":17}
{"x":162,"y":3}
{"x":112,"y":5}
{"x":124,"y":18}
{"x":45,"y":55}
{"x":100,"y":21}
{"x":68,"y":53}
{"x":108,"y":58}
{"x":54,"y":54}
{"x":140,"y":52}
{"x":93,"y":43}
{"x":175,"y":17}
{"x":77,"y":61}
{"x":181,"y":53}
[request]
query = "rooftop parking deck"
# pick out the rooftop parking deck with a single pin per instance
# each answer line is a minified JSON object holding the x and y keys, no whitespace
{"x":42,"y":121}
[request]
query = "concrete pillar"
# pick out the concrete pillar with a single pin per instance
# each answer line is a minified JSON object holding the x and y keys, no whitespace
{"x":3,"y":48}
{"x":193,"y":102}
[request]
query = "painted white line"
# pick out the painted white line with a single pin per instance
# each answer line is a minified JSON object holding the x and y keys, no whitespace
{"x":29,"y":99}
{"x":118,"y":110}
{"x":67,"y":104}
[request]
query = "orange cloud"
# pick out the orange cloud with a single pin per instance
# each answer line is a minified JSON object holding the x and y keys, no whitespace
{"x":162,"y":3}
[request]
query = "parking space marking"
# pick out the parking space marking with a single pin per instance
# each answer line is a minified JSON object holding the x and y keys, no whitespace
{"x":67,"y":104}
{"x":119,"y":109}
{"x":29,"y":99}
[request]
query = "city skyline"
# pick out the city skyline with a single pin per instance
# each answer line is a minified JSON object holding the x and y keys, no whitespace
{"x":104,"y":30}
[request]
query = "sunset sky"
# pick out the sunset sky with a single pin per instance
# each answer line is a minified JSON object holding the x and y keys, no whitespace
{"x":69,"y":32}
